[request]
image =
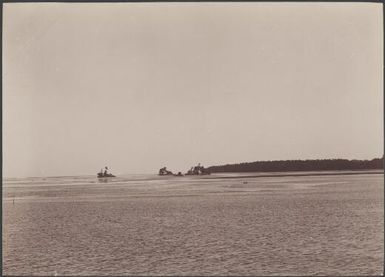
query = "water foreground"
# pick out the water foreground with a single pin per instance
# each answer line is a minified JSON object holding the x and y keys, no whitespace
{"x":146,"y":225}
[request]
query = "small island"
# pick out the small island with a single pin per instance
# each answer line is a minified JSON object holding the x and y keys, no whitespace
{"x":105,"y":174}
{"x":194,"y":170}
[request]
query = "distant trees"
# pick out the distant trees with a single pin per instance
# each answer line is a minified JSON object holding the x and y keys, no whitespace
{"x":164,"y":171}
{"x":300,"y":165}
{"x":195,"y":170}
{"x":198,"y":170}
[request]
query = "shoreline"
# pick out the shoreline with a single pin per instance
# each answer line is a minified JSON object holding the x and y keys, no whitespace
{"x":294,"y":175}
{"x":261,"y":174}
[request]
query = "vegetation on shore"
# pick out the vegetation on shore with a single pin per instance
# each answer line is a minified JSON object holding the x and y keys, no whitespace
{"x":300,"y":165}
{"x":195,"y":170}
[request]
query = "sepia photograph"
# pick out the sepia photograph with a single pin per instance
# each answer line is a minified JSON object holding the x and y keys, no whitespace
{"x":192,"y":139}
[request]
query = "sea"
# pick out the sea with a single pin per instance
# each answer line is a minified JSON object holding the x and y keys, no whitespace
{"x":222,"y":224}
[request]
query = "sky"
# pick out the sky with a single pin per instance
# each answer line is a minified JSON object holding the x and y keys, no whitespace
{"x":139,"y":86}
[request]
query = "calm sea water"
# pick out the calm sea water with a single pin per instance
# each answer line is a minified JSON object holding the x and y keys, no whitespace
{"x":150,"y":225}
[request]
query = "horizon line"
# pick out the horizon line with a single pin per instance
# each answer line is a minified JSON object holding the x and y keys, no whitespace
{"x":58,"y":176}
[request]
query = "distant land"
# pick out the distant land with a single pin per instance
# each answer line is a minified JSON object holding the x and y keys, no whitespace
{"x":300,"y":165}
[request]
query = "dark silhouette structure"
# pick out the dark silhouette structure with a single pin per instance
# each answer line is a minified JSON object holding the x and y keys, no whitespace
{"x":164,"y":171}
{"x":198,"y":170}
{"x":104,"y":174}
{"x":300,"y":165}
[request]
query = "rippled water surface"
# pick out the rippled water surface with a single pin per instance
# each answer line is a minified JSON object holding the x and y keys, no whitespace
{"x":148,"y":225}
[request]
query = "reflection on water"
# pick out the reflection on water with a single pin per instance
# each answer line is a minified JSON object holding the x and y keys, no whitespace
{"x":103,"y":180}
{"x":146,"y":225}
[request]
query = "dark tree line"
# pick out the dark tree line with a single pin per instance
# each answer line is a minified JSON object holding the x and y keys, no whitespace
{"x":300,"y":165}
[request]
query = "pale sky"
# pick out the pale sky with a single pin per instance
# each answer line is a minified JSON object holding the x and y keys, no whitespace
{"x":139,"y":86}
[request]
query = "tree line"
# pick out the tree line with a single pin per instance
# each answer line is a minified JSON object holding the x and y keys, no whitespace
{"x":300,"y":165}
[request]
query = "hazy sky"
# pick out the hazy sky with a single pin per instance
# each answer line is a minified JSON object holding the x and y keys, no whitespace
{"x":138,"y":86}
